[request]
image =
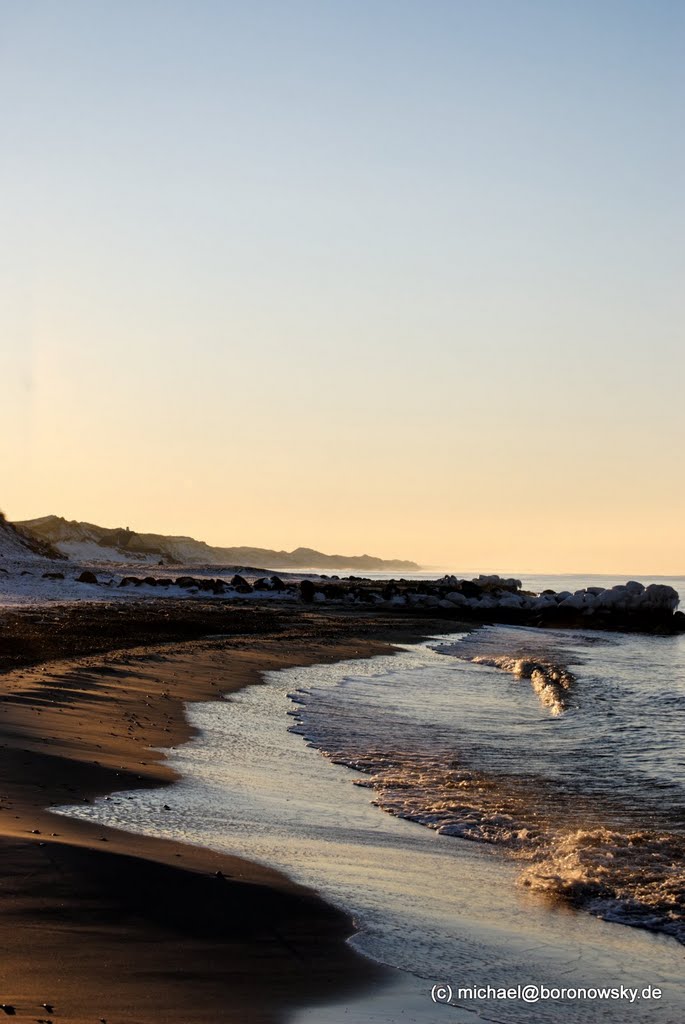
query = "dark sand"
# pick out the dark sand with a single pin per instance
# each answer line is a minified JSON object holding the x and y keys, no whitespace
{"x":103,"y":924}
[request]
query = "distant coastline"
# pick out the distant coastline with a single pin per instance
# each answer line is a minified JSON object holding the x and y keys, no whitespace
{"x":87,"y":540}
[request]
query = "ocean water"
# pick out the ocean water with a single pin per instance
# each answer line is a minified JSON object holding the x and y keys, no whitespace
{"x":501,"y":807}
{"x":556,"y":748}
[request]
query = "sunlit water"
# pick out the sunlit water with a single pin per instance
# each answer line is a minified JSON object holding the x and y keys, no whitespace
{"x":574,"y":813}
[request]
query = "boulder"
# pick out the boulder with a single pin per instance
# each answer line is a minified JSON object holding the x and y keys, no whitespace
{"x":186,"y":581}
{"x":129,"y":581}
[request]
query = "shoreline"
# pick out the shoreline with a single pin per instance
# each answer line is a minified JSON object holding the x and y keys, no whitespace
{"x":142,"y":929}
{"x":431,"y":906}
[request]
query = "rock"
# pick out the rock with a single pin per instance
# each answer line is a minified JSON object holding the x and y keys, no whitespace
{"x":307,"y":591}
{"x":150,"y":581}
{"x":87,"y":577}
{"x":53,"y":575}
{"x":239,"y":581}
{"x":130,"y":581}
{"x":186,"y":581}
{"x":661,"y":596}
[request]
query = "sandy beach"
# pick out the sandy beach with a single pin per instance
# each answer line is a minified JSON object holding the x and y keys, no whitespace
{"x":100,"y":924}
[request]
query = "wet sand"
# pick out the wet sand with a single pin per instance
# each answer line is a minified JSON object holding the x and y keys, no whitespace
{"x":105,"y":925}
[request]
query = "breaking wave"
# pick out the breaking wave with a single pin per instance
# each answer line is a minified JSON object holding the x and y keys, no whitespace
{"x":550,"y":682}
{"x":572,"y":800}
{"x":635,"y":878}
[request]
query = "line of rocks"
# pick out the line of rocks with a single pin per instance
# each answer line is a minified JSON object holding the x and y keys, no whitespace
{"x":238,"y":585}
{"x":484,"y":599}
{"x":630,"y":606}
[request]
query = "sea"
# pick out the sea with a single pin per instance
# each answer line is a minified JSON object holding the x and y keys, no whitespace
{"x":495,"y":808}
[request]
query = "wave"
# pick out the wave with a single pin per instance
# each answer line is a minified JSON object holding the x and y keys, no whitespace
{"x":589,"y":805}
{"x":635,"y":878}
{"x":632,"y":877}
{"x":550,"y":682}
{"x":504,"y":649}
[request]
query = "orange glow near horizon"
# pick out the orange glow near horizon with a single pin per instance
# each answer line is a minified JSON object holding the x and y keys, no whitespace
{"x":419,"y":300}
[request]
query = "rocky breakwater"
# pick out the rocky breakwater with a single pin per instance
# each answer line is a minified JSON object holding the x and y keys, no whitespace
{"x":237,"y":586}
{"x":628,"y":606}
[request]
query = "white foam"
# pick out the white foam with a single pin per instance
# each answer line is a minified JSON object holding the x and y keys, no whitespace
{"x":550,"y":682}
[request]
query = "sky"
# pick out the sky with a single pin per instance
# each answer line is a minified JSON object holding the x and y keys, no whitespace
{"x":380,"y":276}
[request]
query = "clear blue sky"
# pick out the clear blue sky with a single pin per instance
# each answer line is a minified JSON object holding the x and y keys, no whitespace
{"x":401,"y":277}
